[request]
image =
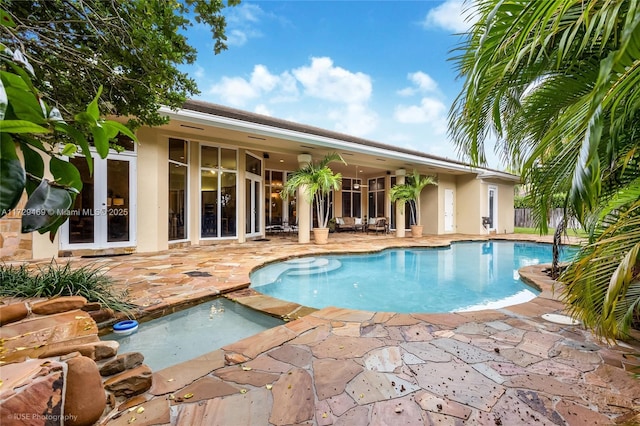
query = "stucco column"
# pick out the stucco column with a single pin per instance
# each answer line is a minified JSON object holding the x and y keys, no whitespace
{"x":303,"y":205}
{"x":400,"y":207}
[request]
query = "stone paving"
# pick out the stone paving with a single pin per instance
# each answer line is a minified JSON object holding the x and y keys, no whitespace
{"x":345,"y":367}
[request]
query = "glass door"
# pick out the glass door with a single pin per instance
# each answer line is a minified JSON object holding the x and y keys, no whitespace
{"x":493,"y":208}
{"x":252,"y":206}
{"x":103,"y":215}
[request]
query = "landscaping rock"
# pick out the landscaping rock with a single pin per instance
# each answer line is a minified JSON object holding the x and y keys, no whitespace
{"x":97,"y":350}
{"x":58,"y":305}
{"x":12,"y":313}
{"x":101,"y":315}
{"x":85,"y":399}
{"x":31,"y":337}
{"x":31,"y":393}
{"x":130,"y":382}
{"x":121,"y":363}
{"x":92,"y":306}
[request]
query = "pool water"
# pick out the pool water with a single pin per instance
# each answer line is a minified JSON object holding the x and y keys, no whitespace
{"x":464,"y":276}
{"x":195,"y":331}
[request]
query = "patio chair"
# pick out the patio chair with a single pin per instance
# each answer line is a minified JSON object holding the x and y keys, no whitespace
{"x":290,"y":227}
{"x":378,"y":224}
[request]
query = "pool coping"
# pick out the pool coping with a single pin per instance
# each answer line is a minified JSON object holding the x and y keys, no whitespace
{"x":532,"y":275}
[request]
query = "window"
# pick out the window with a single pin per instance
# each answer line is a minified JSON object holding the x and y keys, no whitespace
{"x":273,"y":202}
{"x":218,"y":192}
{"x":351,"y":197}
{"x":178,"y":184}
{"x":376,"y":197}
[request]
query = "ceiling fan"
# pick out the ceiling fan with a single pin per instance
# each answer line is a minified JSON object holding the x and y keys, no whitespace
{"x":358,"y":185}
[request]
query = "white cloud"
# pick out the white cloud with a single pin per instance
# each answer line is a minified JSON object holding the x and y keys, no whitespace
{"x":325,"y":81}
{"x":338,"y":97}
{"x":355,"y":120}
{"x":243,"y":13}
{"x":262,"y":109}
{"x":431,"y":111}
{"x":237,"y":38}
{"x":452,"y":15}
{"x":199,"y":72}
{"x":423,"y":83}
{"x":234,"y":90}
{"x":242,"y":23}
{"x":237,"y":91}
{"x":263,"y":79}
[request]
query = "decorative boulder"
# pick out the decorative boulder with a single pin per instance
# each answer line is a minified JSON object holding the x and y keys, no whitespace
{"x":12,"y":313}
{"x":130,"y":382}
{"x":58,"y":305}
{"x":122,"y":362}
{"x":85,"y":399}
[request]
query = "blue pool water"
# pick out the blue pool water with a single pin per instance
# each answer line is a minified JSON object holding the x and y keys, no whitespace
{"x":192,"y":332}
{"x":463,"y":276}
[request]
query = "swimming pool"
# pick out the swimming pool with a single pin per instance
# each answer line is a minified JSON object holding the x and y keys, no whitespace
{"x":463,"y":276}
{"x":192,"y":332}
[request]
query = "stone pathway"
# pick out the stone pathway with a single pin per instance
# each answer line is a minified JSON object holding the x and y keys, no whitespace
{"x":344,"y":367}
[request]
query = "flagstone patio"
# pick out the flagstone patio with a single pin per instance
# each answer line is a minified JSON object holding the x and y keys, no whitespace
{"x":343,"y":367}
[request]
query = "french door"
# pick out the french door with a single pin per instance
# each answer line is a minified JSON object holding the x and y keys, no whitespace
{"x":252,"y":205}
{"x":104,"y":213}
{"x":493,"y":208}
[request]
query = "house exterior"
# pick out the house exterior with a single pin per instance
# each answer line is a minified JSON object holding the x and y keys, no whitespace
{"x":215,"y":174}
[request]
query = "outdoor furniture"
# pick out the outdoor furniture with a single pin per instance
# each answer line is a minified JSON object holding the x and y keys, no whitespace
{"x":345,"y":224}
{"x":290,"y":228}
{"x":377,"y":224}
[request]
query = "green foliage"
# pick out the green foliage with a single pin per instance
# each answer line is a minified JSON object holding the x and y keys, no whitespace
{"x":40,"y":131}
{"x":317,"y":180}
{"x":556,"y":82}
{"x":410,"y":192}
{"x":132,"y":48}
{"x":557,"y":201}
{"x":56,"y":280}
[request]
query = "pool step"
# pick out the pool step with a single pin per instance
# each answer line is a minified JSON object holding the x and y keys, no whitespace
{"x":302,"y":266}
{"x":319,"y":266}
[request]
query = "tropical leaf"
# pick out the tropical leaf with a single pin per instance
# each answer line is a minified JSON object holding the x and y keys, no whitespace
{"x":45,"y":208}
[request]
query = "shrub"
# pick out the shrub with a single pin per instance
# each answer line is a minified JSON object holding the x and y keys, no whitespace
{"x":525,"y":202}
{"x":53,"y":280}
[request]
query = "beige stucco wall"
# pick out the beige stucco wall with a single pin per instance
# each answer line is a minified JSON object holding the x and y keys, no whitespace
{"x":472,"y":200}
{"x":468,"y":205}
{"x":505,"y":205}
{"x":152,"y":191}
{"x":430,"y":210}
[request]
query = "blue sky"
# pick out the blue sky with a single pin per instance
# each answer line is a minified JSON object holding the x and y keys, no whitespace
{"x":373,"y":69}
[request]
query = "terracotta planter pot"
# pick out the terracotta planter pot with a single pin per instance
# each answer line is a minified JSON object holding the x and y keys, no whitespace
{"x":320,"y":235}
{"x":416,"y":231}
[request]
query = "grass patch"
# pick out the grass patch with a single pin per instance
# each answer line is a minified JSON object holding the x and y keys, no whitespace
{"x":54,"y":280}
{"x":535,"y":231}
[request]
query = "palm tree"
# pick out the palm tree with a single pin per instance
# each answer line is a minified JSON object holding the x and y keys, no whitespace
{"x":317,"y":180}
{"x":410,"y":192}
{"x":555,"y":82}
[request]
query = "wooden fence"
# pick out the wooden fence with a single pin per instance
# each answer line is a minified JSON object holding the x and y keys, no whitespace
{"x":523,"y":219}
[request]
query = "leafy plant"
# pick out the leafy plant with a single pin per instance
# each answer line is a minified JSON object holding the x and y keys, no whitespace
{"x":410,"y":192}
{"x":317,"y":180}
{"x":56,"y":280}
{"x":556,"y":83}
{"x":134,"y":48}
{"x":39,"y":130}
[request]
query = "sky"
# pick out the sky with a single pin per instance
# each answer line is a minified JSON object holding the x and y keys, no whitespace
{"x":379,"y":70}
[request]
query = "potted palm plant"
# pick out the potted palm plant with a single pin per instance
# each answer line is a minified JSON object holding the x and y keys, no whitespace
{"x":410,"y":192}
{"x":316,"y":180}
